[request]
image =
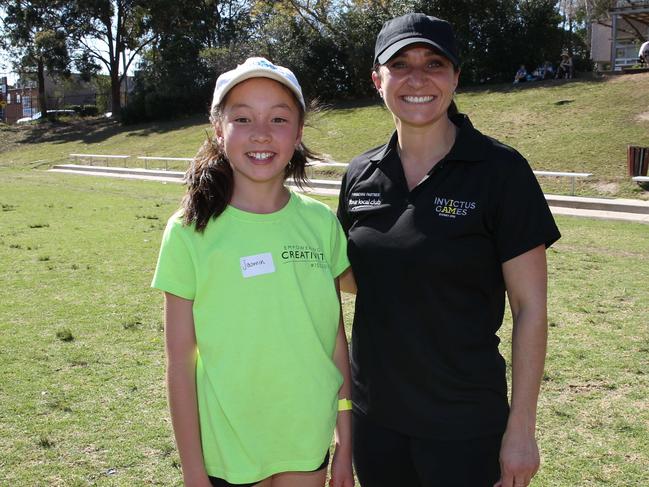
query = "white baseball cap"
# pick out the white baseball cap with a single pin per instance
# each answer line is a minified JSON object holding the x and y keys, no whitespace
{"x":256,"y":67}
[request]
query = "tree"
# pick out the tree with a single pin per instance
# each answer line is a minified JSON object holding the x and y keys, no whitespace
{"x":112,"y":33}
{"x":177,"y":71}
{"x":34,"y":31}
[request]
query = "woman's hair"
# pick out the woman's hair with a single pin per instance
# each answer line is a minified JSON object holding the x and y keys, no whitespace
{"x":210,"y":180}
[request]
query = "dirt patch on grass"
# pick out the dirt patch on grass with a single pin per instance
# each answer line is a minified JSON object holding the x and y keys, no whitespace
{"x":606,"y":187}
{"x":634,"y":78}
{"x":642,"y":117}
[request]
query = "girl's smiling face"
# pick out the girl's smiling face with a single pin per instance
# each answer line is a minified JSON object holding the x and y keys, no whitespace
{"x":417,"y":85}
{"x":259,"y":129}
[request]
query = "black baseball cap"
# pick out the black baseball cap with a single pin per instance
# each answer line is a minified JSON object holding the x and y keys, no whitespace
{"x":415,"y":28}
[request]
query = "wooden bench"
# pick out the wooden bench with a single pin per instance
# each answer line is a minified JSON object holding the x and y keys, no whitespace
{"x":573,"y":175}
{"x":96,"y":157}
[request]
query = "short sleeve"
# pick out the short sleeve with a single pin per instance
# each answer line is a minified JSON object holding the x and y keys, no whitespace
{"x":175,"y":272}
{"x":523,"y":219}
{"x":338,"y":245}
{"x":343,"y":215}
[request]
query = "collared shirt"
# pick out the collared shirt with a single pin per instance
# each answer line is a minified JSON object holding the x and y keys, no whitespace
{"x":431,"y":293}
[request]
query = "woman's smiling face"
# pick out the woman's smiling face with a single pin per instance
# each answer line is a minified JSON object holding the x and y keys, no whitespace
{"x":417,"y":85}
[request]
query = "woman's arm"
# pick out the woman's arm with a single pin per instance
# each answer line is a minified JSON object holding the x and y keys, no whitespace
{"x":342,"y":474}
{"x":526,"y":282}
{"x":181,"y":388}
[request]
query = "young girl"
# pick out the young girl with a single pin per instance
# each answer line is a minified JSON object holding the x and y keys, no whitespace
{"x":257,"y":364}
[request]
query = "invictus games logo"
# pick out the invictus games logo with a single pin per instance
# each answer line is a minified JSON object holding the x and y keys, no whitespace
{"x":303,"y":254}
{"x":450,"y":208}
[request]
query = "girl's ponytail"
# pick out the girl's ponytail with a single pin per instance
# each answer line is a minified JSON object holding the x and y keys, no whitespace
{"x":210,"y":183}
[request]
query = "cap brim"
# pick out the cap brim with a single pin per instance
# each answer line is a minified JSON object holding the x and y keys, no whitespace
{"x":385,"y":56}
{"x":258,"y":73}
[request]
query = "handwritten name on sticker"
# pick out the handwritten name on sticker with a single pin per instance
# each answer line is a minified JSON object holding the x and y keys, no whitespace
{"x":256,"y":265}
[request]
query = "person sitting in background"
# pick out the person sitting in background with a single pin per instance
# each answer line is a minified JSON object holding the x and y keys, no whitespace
{"x":538,"y":73}
{"x":521,"y":74}
{"x":643,"y":54}
{"x":548,"y":70}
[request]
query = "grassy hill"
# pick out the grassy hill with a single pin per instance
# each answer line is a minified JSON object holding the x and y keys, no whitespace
{"x":576,"y":126}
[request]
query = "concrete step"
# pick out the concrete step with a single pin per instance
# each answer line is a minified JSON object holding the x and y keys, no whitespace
{"x":601,"y":214}
{"x":118,"y":170}
{"x":331,"y":187}
{"x":602,"y":204}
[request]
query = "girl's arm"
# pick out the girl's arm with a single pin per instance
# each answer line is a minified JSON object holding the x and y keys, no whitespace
{"x":347,"y":282}
{"x":342,"y":474}
{"x":526,"y":281}
{"x":181,"y":388}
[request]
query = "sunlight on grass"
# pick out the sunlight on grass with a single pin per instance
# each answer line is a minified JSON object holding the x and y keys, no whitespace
{"x":82,"y":395}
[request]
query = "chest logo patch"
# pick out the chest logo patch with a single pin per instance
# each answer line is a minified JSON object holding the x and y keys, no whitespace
{"x":364,"y":200}
{"x":304,"y":255}
{"x":450,"y":208}
{"x":256,"y":265}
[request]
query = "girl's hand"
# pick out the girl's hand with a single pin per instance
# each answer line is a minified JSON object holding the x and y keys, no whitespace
{"x":342,"y":474}
{"x":197,"y":480}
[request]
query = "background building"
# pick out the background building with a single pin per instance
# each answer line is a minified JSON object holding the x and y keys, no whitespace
{"x":615,"y":41}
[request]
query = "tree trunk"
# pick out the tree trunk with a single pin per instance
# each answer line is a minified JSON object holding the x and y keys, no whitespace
{"x":42,"y":98}
{"x":116,"y":104}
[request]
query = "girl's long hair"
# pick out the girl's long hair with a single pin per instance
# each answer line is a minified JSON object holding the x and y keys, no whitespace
{"x":210,"y":181}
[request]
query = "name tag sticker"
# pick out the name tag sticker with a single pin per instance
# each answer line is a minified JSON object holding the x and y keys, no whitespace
{"x":256,"y":265}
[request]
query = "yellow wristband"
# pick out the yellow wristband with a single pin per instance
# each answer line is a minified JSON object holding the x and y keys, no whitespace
{"x":344,"y":405}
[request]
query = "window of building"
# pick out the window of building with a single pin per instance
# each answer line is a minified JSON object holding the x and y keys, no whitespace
{"x":8,"y":98}
{"x":626,"y":52}
{"x":17,"y":98}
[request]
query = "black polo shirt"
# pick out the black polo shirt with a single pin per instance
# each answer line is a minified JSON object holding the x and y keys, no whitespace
{"x":431,"y":293}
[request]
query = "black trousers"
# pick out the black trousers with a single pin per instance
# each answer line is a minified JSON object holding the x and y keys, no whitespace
{"x":386,"y":458}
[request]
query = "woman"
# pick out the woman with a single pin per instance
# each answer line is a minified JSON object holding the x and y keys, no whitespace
{"x":441,"y":221}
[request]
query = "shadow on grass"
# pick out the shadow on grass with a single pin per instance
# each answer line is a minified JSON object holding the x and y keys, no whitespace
{"x":644,"y":186}
{"x":145,"y":129}
{"x":92,"y":131}
{"x":352,"y":104}
{"x":528,"y":85}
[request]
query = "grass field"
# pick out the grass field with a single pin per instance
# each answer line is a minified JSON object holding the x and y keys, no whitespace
{"x":576,"y":126}
{"x":82,"y":398}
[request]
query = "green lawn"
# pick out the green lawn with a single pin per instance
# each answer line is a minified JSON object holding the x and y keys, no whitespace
{"x":82,"y":397}
{"x":576,"y":126}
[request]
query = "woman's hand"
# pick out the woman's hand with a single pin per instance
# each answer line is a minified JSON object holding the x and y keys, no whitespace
{"x":519,"y":458}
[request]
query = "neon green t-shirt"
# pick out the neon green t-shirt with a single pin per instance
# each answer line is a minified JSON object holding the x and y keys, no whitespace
{"x":266,"y":315}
